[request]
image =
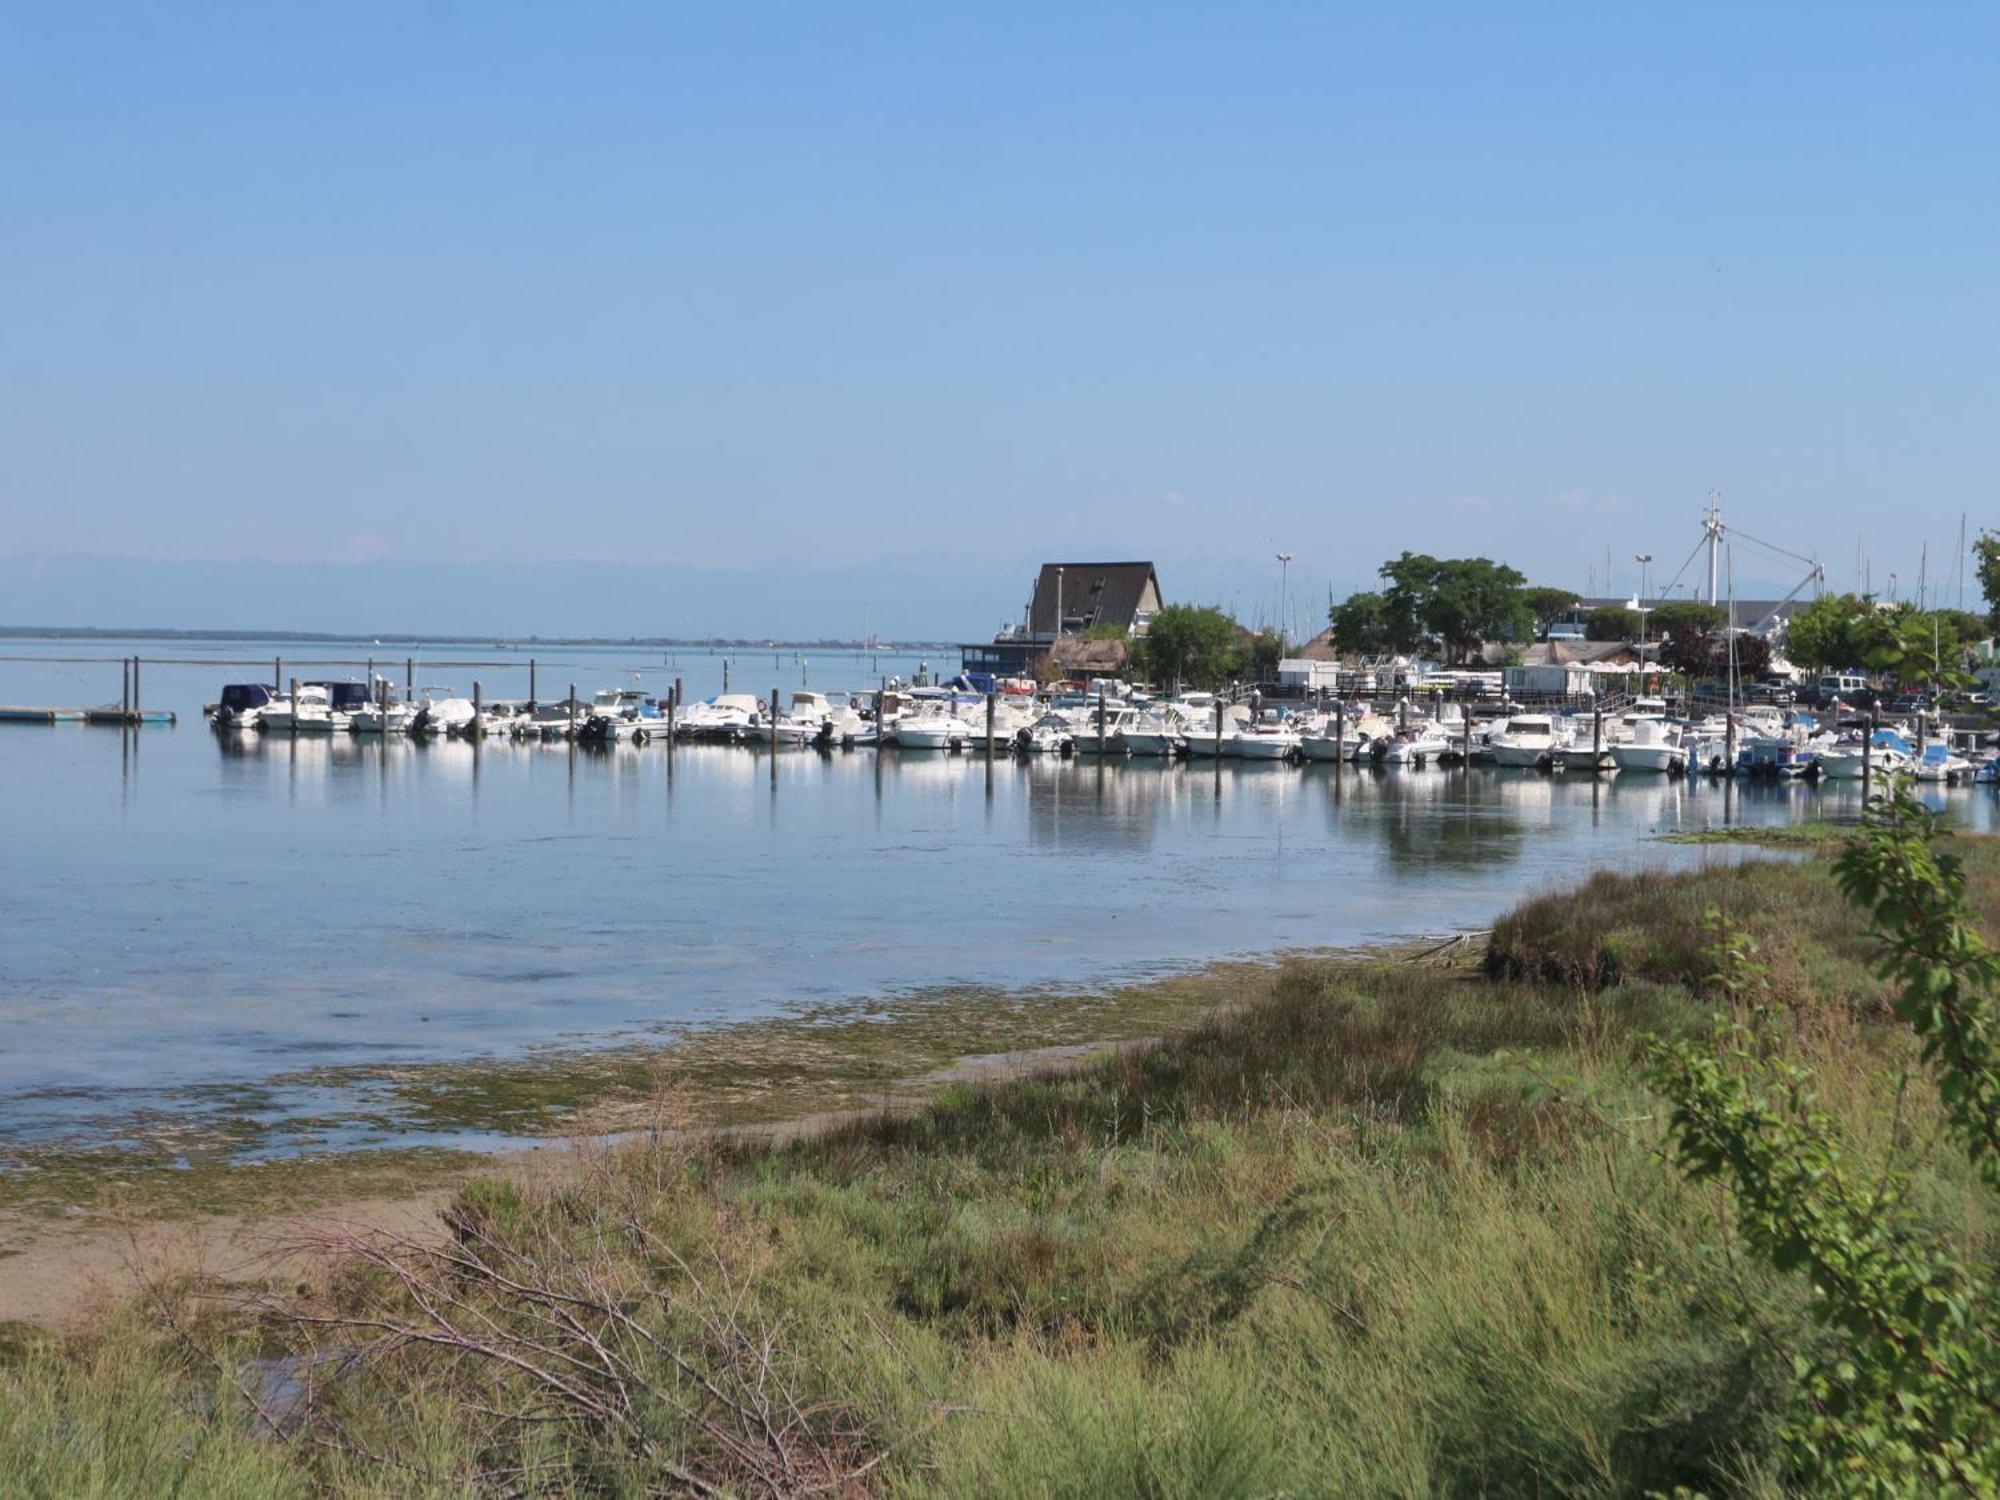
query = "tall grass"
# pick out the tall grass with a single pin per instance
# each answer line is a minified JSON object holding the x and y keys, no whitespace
{"x":1383,"y":1231}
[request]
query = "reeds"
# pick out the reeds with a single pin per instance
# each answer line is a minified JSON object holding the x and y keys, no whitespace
{"x":1384,"y":1230}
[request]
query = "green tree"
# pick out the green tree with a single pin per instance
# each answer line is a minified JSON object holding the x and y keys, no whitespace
{"x":1548,"y":605}
{"x":1919,"y":649}
{"x":1265,"y":650}
{"x":1683,"y":617}
{"x":1458,"y":602}
{"x":1192,"y":645}
{"x":1830,"y":632}
{"x":1987,"y":549}
{"x":1900,"y":1390}
{"x":1362,"y":625}
{"x":1612,"y":622}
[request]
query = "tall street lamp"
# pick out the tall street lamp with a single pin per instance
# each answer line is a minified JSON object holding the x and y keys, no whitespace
{"x":1644,"y":560}
{"x":1284,"y":569}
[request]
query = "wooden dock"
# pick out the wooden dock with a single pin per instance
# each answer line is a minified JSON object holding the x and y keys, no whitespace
{"x":120,"y":717}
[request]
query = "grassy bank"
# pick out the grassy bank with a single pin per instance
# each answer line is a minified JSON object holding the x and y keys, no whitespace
{"x":1384,"y":1229}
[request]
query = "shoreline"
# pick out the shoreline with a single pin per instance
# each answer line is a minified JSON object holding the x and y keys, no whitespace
{"x":79,"y":1237}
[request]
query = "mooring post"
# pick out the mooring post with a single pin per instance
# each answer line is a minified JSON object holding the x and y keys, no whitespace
{"x":1867,"y":758}
{"x":1729,"y":744}
{"x":1465,"y":736}
{"x":295,"y":705}
{"x":1596,"y":734}
{"x":531,"y":683}
{"x":989,"y":728}
{"x":673,"y":708}
{"x":277,"y":673}
{"x":124,"y":687}
{"x":1339,"y":730}
{"x":1218,"y":734}
{"x":725,"y":674}
{"x":477,"y":727}
{"x":774,"y":718}
{"x":1102,"y":747}
{"x":572,"y":715}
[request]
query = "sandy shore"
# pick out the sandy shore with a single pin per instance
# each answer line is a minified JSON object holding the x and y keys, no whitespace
{"x":61,"y":1272}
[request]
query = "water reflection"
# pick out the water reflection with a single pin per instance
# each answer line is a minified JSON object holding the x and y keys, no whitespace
{"x":445,"y":899}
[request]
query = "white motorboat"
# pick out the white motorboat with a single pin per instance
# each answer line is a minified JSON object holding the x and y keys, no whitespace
{"x":1270,"y":738}
{"x":933,"y":726}
{"x":311,"y":714}
{"x":1588,"y":747}
{"x":1418,"y":745}
{"x":1051,"y":734}
{"x":1528,"y":741}
{"x":242,"y":705}
{"x":377,"y":718}
{"x":1342,"y":737}
{"x":441,"y":712}
{"x":723,"y":717}
{"x":1849,"y":760}
{"x":1938,"y":763}
{"x":1153,"y":733}
{"x":1654,"y":745}
{"x":1090,"y":739}
{"x":1203,"y":741}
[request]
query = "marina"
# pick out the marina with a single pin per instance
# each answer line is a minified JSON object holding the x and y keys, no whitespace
{"x":336,"y":909}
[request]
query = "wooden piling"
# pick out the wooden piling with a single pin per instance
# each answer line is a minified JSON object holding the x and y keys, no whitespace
{"x":1465,"y":732}
{"x":989,"y":729}
{"x":409,"y":679}
{"x":277,"y":673}
{"x":477,"y":727}
{"x":531,"y":684}
{"x":1729,"y":744}
{"x":1867,"y":758}
{"x":137,"y":701}
{"x":1102,"y":748}
{"x":1339,"y":730}
{"x":572,"y":715}
{"x":295,"y":706}
{"x":774,"y":718}
{"x":1596,"y":735}
{"x":124,"y":688}
{"x":725,"y":674}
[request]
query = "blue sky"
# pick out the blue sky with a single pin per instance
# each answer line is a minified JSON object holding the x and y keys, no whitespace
{"x":805,"y":293}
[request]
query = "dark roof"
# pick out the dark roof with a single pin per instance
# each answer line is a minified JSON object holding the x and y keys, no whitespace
{"x":1101,"y":593}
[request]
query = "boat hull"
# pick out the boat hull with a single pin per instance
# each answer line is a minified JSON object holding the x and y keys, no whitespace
{"x":1660,"y":758}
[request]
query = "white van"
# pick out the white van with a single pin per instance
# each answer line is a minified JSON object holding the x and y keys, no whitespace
{"x":1841,"y":685}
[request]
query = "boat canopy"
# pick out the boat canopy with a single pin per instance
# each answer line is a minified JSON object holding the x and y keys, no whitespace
{"x":238,"y":696}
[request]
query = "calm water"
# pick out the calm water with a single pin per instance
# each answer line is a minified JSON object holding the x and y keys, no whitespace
{"x":186,"y":912}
